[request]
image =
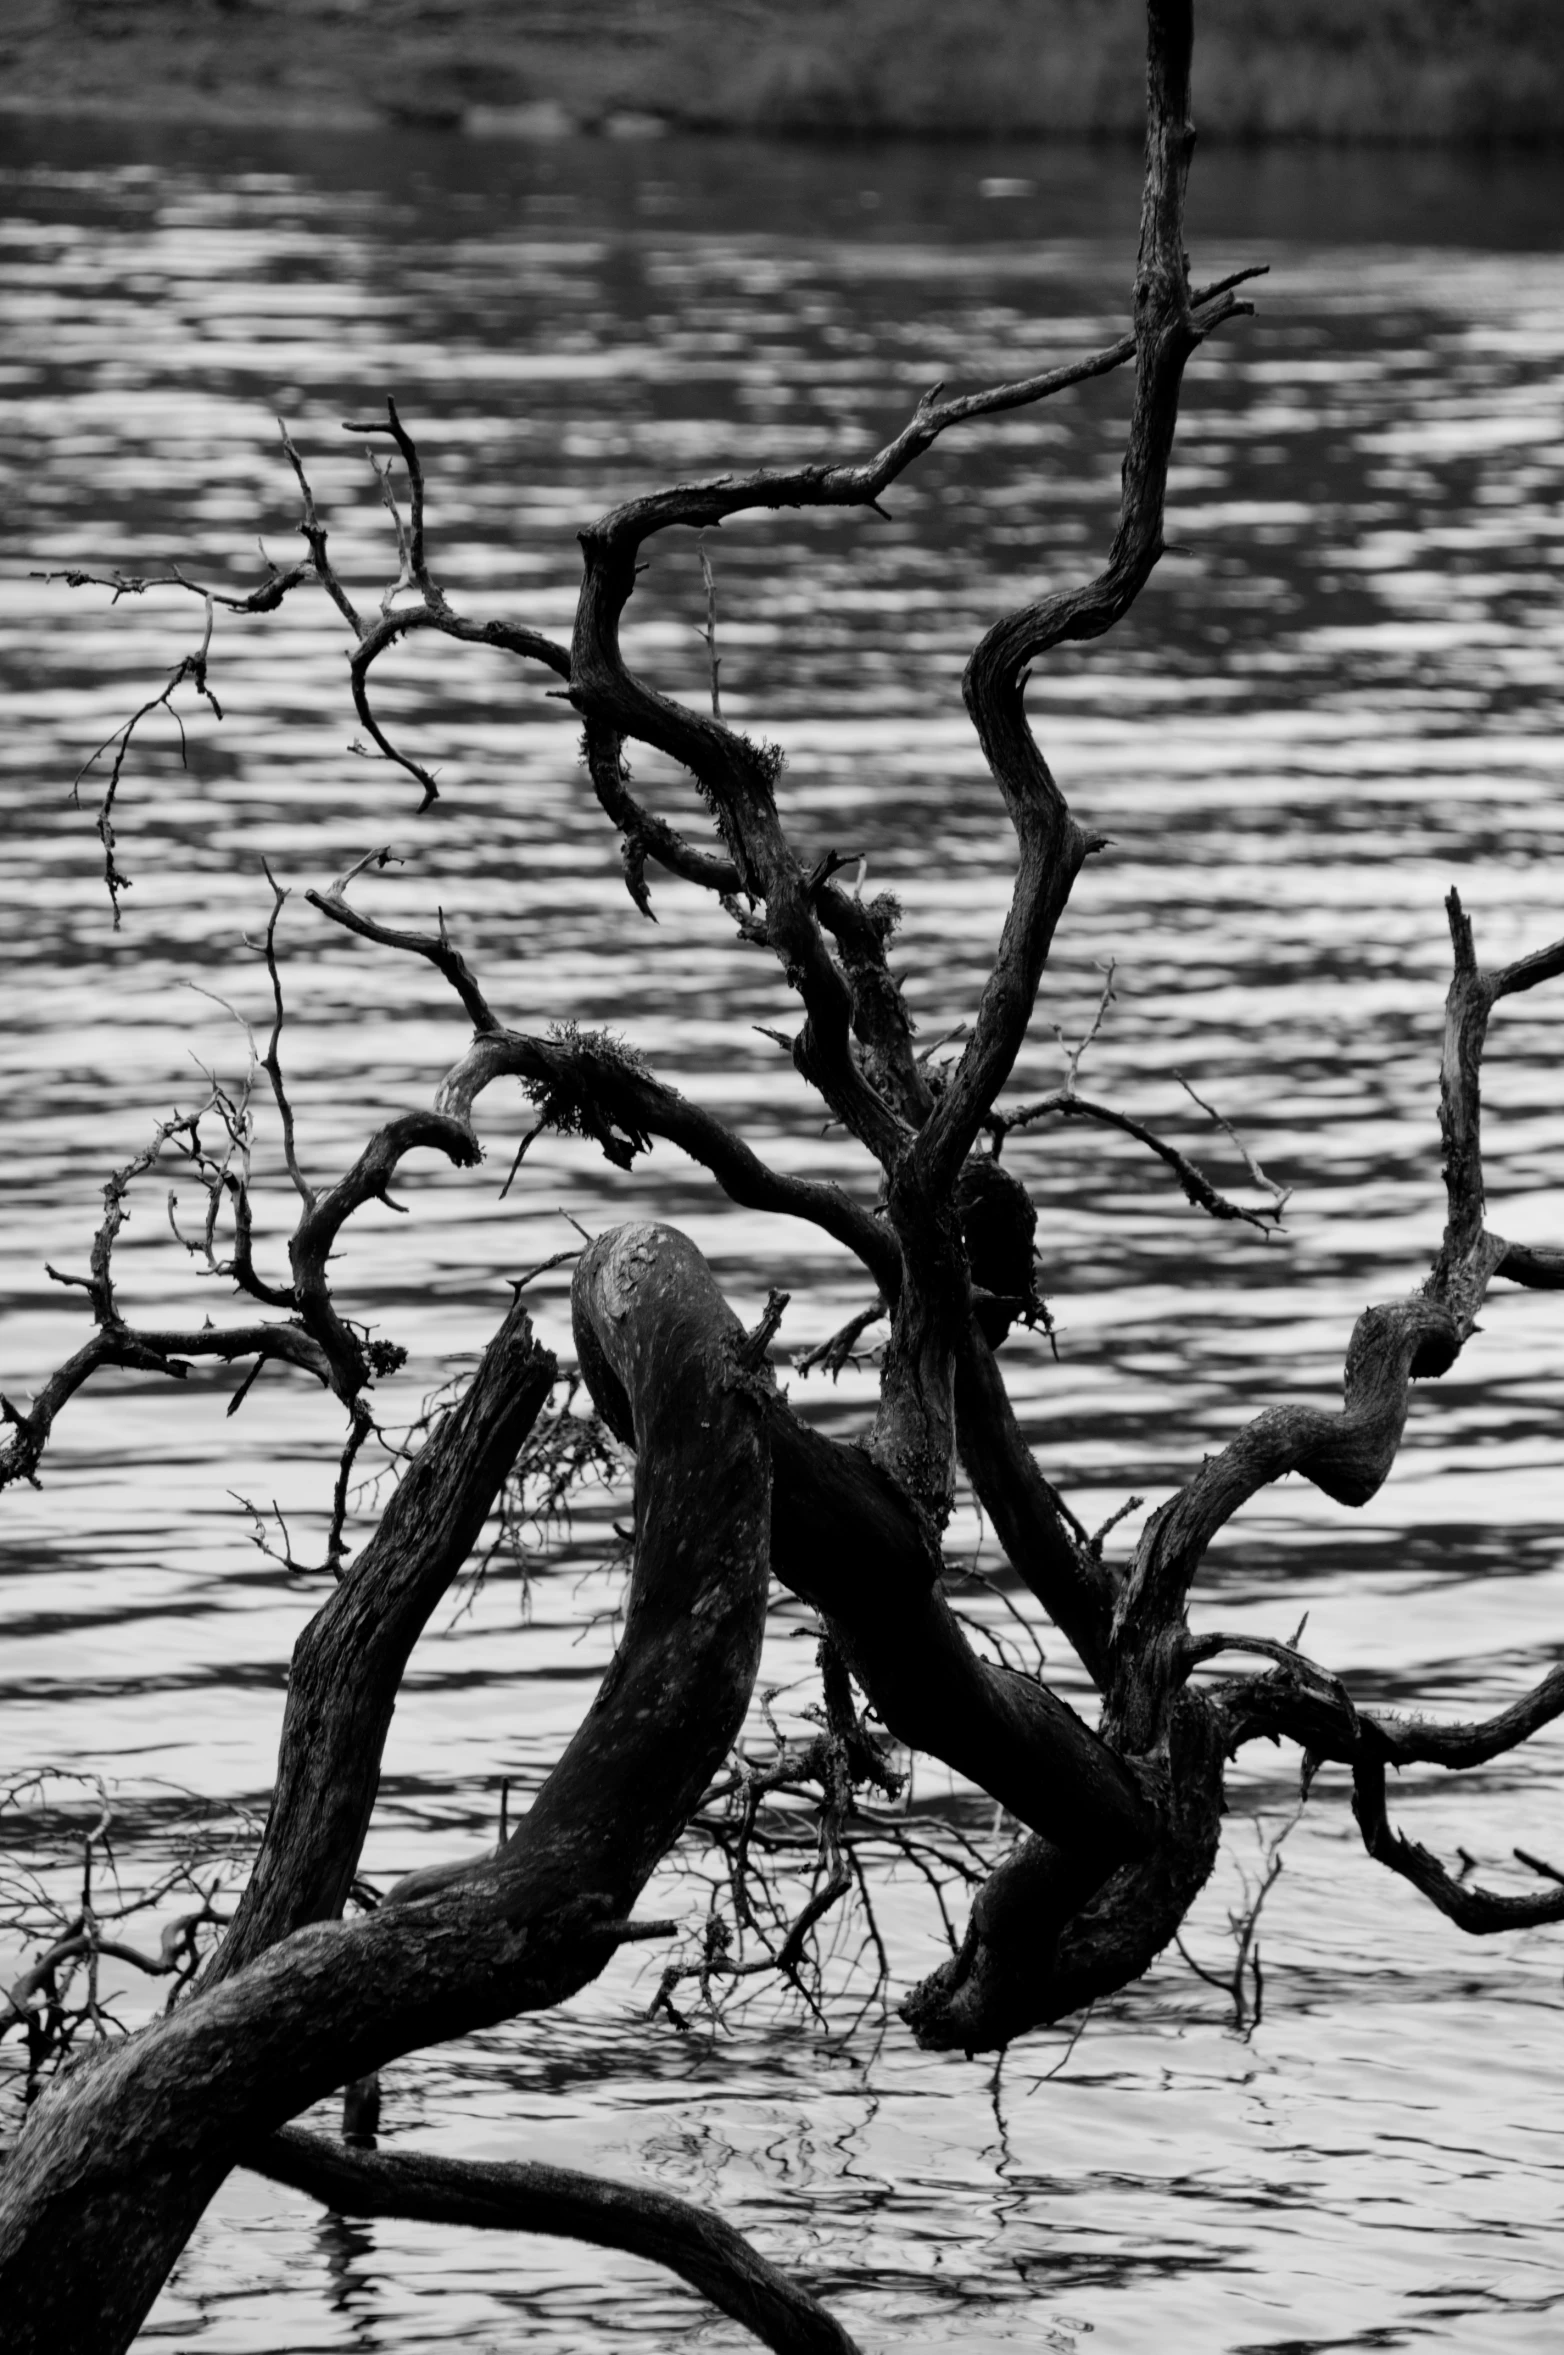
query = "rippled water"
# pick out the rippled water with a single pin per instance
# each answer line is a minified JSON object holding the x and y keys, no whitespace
{"x":1341,"y":696}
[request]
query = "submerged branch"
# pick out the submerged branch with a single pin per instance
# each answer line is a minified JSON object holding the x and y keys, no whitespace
{"x":527,"y":2196}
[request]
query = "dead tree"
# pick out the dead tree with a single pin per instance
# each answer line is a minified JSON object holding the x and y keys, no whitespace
{"x":122,"y":2153}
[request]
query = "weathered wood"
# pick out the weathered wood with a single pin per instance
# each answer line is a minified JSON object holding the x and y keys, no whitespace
{"x":849,"y":1541}
{"x":1049,"y":1932}
{"x":525,"y":2196}
{"x":122,"y":2153}
{"x":1029,"y":1518}
{"x":119,"y":2157}
{"x":348,"y":1663}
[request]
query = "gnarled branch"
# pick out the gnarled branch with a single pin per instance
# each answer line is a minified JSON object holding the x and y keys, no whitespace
{"x":525,"y":2196}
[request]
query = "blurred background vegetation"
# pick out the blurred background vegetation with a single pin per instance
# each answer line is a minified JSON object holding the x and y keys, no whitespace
{"x":1400,"y":71}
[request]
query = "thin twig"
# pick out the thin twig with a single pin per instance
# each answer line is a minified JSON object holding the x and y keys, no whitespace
{"x":709,"y":633}
{"x":271,"y":1062}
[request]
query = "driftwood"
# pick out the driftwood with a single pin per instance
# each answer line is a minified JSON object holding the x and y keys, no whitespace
{"x":1120,"y":1820}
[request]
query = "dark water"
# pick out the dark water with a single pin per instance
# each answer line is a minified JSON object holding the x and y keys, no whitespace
{"x":1339,"y":698}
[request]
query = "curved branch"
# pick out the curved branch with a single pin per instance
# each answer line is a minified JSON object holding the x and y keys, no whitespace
{"x":365,"y":654}
{"x":161,"y":1351}
{"x":845,"y":484}
{"x":645,"y":834}
{"x":1480,"y":1912}
{"x":740,"y":779}
{"x":509,"y":637}
{"x":437,"y":615}
{"x":915,"y":1427}
{"x":1047,"y":1936}
{"x":323,"y":1218}
{"x":1197,"y":1187}
{"x":847,"y":1539}
{"x":348,"y":1664}
{"x":433,"y":612}
{"x":1302,"y":1703}
{"x":116,"y":2162}
{"x":1349,"y":1454}
{"x":1169,"y":325}
{"x":588,"y":1070}
{"x":1409,"y":1741}
{"x":240,"y":1265}
{"x":437,"y":948}
{"x":1536,"y":1266}
{"x":698,"y":2246}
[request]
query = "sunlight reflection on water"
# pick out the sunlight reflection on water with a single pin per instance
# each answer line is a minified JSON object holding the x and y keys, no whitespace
{"x":1341,"y":695}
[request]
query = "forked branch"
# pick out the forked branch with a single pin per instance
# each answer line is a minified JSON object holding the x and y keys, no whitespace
{"x":1065,"y":1104}
{"x":1347,"y":1454}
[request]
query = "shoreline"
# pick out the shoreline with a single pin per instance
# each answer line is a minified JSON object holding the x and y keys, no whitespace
{"x":1463,"y":74}
{"x":261,"y":113}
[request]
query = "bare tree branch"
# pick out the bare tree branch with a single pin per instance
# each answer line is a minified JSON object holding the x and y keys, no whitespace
{"x":1065,"y":1104}
{"x":271,"y":1062}
{"x":1347,"y":1454}
{"x":1480,"y":1912}
{"x":589,"y":1080}
{"x":525,"y":2196}
{"x":438,"y":950}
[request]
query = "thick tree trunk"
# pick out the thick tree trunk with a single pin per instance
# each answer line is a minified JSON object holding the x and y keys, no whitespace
{"x":847,"y":1538}
{"x":1041,"y":1945}
{"x":121,"y":2155}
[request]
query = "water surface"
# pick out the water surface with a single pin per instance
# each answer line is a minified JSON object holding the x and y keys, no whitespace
{"x":1339,"y":697}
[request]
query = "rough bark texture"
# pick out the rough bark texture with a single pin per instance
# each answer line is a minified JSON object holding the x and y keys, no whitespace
{"x":849,"y":1541}
{"x":348,"y":1664}
{"x":120,"y":2157}
{"x":1049,"y":1934}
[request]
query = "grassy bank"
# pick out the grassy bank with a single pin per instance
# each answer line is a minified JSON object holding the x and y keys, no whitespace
{"x":1389,"y":70}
